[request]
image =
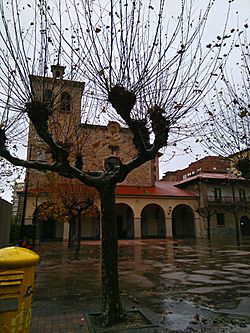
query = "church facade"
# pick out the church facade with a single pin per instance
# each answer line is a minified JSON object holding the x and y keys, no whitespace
{"x":146,"y":207}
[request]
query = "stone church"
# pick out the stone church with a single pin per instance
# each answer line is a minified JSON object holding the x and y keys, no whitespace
{"x":146,"y":207}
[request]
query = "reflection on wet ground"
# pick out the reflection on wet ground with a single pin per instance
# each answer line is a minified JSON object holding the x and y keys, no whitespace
{"x":190,"y":285}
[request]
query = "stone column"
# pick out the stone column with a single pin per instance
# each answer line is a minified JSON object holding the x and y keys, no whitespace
{"x":168,"y":221}
{"x":65,"y":231}
{"x":168,"y":227}
{"x":137,"y":227}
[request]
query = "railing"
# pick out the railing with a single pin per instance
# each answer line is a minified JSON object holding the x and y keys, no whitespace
{"x":229,"y":200}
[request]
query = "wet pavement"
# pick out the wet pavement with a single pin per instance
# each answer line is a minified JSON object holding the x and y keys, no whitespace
{"x":187,"y":286}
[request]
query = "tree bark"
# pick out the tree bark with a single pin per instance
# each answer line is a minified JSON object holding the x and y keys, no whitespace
{"x":112,"y":310}
{"x":79,"y":234}
{"x":237,"y":229}
{"x":235,"y":212}
{"x":73,"y":232}
{"x":209,"y":227}
{"x":70,"y":235}
{"x":75,"y":238}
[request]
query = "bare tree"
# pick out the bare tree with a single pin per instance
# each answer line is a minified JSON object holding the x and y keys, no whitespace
{"x":8,"y":175}
{"x":207,"y":213}
{"x":139,"y":69}
{"x":71,"y":198}
{"x":226,"y":126}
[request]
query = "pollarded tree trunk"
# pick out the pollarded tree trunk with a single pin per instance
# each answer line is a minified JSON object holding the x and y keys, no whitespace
{"x":75,"y":237}
{"x":237,"y":229}
{"x":112,"y":310}
{"x":78,"y":235}
{"x":70,"y":235}
{"x":73,"y":232}
{"x":208,"y":226}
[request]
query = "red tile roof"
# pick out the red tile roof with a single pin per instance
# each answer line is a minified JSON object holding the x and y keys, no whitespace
{"x":212,"y":175}
{"x":161,"y":189}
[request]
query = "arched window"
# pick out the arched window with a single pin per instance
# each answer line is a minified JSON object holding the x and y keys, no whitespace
{"x":153,"y":222}
{"x":65,"y":101}
{"x":48,"y":97}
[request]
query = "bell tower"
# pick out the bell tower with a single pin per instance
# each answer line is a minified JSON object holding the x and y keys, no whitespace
{"x":63,"y":97}
{"x":57,"y":71}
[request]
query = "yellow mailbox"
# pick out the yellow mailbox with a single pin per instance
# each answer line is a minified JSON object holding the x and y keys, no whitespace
{"x":17,"y":271}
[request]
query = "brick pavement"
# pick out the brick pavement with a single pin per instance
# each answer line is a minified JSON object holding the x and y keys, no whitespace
{"x":161,"y":276}
{"x":61,"y":311}
{"x":49,"y":313}
{"x":55,"y":319}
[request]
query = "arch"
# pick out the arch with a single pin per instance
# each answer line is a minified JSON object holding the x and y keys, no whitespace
{"x":183,"y":222}
{"x":245,"y":225}
{"x":49,"y":226}
{"x":153,"y":222}
{"x":124,"y":216}
{"x":65,"y":101}
{"x":91,"y":223}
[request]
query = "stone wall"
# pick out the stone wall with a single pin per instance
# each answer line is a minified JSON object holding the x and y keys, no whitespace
{"x":208,"y":164}
{"x":5,"y":221}
{"x":95,"y":143}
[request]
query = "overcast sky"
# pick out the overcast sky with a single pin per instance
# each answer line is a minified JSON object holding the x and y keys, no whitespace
{"x":239,"y":14}
{"x":214,"y":27}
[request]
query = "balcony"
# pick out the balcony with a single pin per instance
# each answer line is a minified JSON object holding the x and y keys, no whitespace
{"x":228,"y":200}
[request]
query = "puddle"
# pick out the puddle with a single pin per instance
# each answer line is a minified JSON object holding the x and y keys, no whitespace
{"x":191,"y":286}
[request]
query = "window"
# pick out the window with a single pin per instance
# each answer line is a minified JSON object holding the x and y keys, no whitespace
{"x":220,"y":219}
{"x":65,"y":102}
{"x":48,"y":97}
{"x":242,"y":195}
{"x":57,"y":74}
{"x":217,"y":194}
{"x":40,"y":156}
{"x":114,"y":149}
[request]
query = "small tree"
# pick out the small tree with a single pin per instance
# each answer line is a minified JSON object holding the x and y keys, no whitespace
{"x":207,"y":213}
{"x":143,"y":71}
{"x":69,"y":199}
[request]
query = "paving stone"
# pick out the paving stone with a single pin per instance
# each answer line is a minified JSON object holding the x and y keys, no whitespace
{"x":153,"y":275}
